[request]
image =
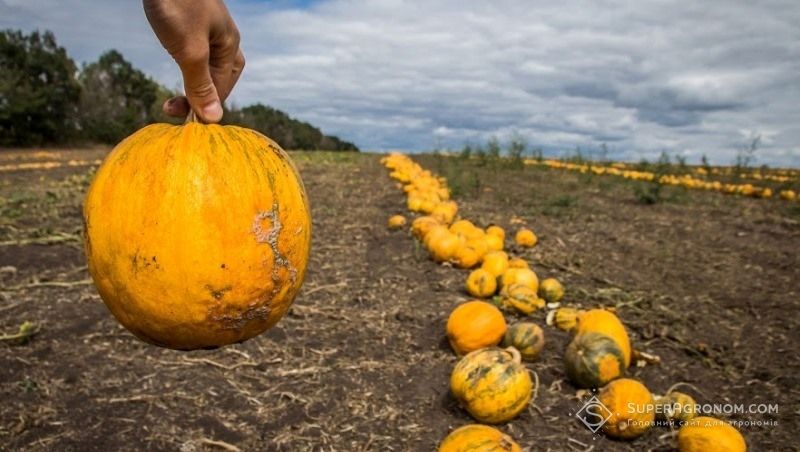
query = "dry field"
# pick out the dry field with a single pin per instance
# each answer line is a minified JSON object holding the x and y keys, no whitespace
{"x":710,"y":283}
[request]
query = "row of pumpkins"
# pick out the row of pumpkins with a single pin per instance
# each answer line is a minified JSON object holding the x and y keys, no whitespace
{"x":491,"y":382}
{"x":684,"y":180}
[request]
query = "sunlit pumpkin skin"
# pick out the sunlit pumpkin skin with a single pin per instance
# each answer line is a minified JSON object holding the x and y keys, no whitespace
{"x":462,"y":227}
{"x":675,"y":406}
{"x":473,"y":325}
{"x":479,"y":245}
{"x":526,"y":238}
{"x":197,"y":236}
{"x":491,"y":384}
{"x":524,"y":276}
{"x":631,"y":407}
{"x":707,"y":434}
{"x":478,"y":438}
{"x":466,"y":257}
{"x":605,"y":322}
{"x":481,"y":283}
{"x":521,"y":298}
{"x":551,"y":290}
{"x":592,"y":360}
{"x":493,"y":242}
{"x":445,"y":212}
{"x":422,"y":225}
{"x":518,"y":262}
{"x":414,"y":203}
{"x":527,"y":337}
{"x":496,"y":231}
{"x":441,"y":244}
{"x":396,"y":222}
{"x":495,"y":262}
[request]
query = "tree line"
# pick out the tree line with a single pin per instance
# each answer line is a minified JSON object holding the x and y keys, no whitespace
{"x":45,"y":99}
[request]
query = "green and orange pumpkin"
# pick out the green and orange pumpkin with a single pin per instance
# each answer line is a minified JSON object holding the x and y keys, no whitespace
{"x":527,"y":337}
{"x":491,"y":384}
{"x":593,"y":359}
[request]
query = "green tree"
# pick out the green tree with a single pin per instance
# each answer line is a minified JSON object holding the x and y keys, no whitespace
{"x":38,"y":90}
{"x":116,"y":99}
{"x":493,"y":148}
{"x":289,"y":133}
{"x":704,"y":163}
{"x":516,"y":150}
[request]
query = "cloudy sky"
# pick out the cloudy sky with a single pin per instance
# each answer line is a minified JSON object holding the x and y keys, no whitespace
{"x":689,"y":77}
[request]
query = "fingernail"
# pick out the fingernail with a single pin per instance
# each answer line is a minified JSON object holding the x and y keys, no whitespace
{"x":213,"y":111}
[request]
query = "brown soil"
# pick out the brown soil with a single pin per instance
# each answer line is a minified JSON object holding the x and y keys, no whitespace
{"x":709,"y":283}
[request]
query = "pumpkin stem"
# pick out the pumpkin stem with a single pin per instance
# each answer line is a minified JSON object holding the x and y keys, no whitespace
{"x":191,"y":117}
{"x":515,"y":355}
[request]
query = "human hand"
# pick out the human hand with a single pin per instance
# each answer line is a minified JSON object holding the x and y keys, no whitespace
{"x":203,"y":39}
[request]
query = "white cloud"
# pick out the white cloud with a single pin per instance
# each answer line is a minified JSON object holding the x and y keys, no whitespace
{"x":680,"y":76}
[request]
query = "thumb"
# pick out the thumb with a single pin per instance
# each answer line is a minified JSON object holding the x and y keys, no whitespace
{"x":200,"y":89}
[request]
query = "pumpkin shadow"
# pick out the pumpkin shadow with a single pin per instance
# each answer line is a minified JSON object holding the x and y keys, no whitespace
{"x":450,"y":405}
{"x":444,"y":345}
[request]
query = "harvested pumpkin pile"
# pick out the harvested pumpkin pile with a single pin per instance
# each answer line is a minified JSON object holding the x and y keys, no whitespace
{"x":489,"y":380}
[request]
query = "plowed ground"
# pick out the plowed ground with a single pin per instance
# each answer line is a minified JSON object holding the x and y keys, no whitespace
{"x":709,"y":283}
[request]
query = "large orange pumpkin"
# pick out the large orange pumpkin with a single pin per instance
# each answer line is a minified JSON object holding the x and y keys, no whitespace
{"x":473,"y":325}
{"x":197,"y":236}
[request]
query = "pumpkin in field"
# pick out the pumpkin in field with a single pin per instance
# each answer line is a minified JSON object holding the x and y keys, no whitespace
{"x":463,"y":227}
{"x":491,"y":384}
{"x":607,"y":323}
{"x":564,"y":318}
{"x":396,"y":221}
{"x":478,"y":438}
{"x":518,"y":262}
{"x":524,"y":276}
{"x":478,"y":244}
{"x":593,"y":359}
{"x":197,"y":235}
{"x":466,"y":257}
{"x":495,"y":262}
{"x":445,"y":212}
{"x":496,"y":231}
{"x":631,"y":407}
{"x":675,"y":406}
{"x":441,"y":244}
{"x":481,"y":283}
{"x":526,"y":238}
{"x":493,"y":242}
{"x":707,"y":434}
{"x":414,"y":203}
{"x":521,"y":298}
{"x":527,"y":337}
{"x":422,"y":225}
{"x":473,"y":325}
{"x":551,"y":290}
